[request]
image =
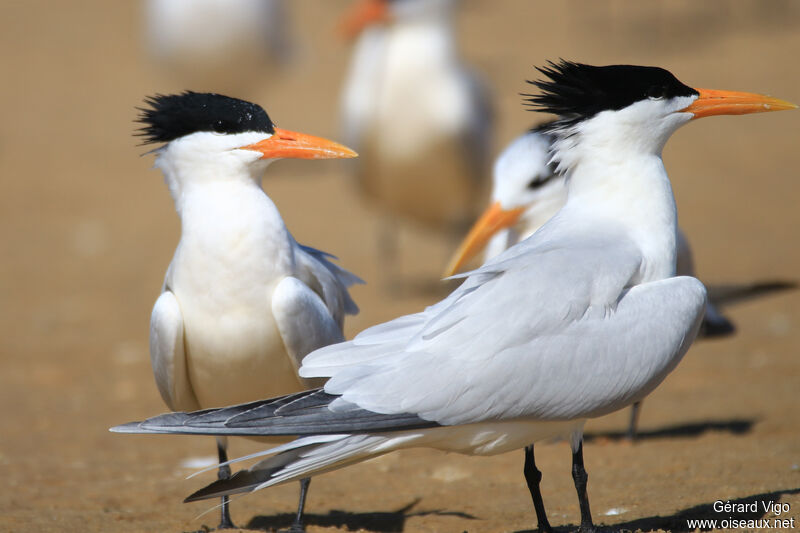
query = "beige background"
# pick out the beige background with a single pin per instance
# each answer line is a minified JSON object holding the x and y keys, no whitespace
{"x":87,"y":230}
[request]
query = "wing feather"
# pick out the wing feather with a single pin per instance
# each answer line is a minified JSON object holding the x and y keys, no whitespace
{"x":167,"y":354}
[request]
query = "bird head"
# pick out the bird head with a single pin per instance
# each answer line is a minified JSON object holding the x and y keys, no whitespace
{"x":619,"y":108}
{"x":211,"y":136}
{"x":611,"y":111}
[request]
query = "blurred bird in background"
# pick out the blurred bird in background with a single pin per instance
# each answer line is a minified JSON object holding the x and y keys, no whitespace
{"x":226,"y":45}
{"x":419,"y":118}
{"x":527,"y":191}
{"x":242,"y":302}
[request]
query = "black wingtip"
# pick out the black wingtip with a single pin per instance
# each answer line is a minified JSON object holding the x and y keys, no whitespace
{"x":242,"y":481}
{"x":717,"y":328}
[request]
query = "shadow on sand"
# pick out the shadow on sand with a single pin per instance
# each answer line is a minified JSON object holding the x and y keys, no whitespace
{"x":388,"y":521}
{"x":679,"y":522}
{"x":735,"y":426}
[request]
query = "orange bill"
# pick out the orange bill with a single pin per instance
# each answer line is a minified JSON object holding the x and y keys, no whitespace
{"x":713,"y":102}
{"x":361,"y":15}
{"x":290,"y":144}
{"x":493,"y":220}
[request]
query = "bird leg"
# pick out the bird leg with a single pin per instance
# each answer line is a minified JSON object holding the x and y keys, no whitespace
{"x":388,"y":254}
{"x":533,"y":476}
{"x":633,"y":423}
{"x":298,"y":526}
{"x":579,"y":476}
{"x":224,"y":472}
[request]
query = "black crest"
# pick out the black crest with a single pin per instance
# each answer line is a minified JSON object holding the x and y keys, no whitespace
{"x":171,"y":116}
{"x":575,"y":91}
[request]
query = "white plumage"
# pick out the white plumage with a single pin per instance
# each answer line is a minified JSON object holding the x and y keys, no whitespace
{"x":242,"y":302}
{"x":218,"y":43}
{"x":583,"y":318}
{"x":418,"y":117}
{"x":247,"y":300}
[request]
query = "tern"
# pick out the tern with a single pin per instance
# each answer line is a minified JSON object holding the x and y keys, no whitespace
{"x":419,"y":118}
{"x":582,"y":319}
{"x":242,"y":302}
{"x":527,"y":191}
{"x":213,"y":42}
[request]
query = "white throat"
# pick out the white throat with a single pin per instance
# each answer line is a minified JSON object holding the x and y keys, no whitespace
{"x":205,"y":158}
{"x":228,"y":223}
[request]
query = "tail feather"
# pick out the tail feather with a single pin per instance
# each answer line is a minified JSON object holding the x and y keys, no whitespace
{"x":245,"y":480}
{"x":304,"y":461}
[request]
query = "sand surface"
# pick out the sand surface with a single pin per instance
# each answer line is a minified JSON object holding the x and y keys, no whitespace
{"x":87,"y":230}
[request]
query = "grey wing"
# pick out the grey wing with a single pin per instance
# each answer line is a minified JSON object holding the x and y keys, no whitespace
{"x":303,"y":321}
{"x":168,"y":356}
{"x":507,"y":342}
{"x":328,"y":280}
{"x":295,"y":414}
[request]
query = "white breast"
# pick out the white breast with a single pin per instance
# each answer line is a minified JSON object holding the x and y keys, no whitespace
{"x":234,"y":249}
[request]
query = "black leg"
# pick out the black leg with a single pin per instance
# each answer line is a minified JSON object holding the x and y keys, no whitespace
{"x":533,"y":476}
{"x":636,"y":408}
{"x":580,"y":477}
{"x":298,"y":526}
{"x":224,"y":472}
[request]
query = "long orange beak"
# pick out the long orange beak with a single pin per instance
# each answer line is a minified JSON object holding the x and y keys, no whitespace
{"x":713,"y":102}
{"x":361,"y":15}
{"x":491,"y":221}
{"x":290,"y":144}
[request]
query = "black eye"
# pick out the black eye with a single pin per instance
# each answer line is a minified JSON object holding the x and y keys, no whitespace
{"x":657,"y":92}
{"x":536,"y":183}
{"x":219,"y":126}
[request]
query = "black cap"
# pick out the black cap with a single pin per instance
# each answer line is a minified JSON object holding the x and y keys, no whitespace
{"x":171,"y":116}
{"x":575,"y":91}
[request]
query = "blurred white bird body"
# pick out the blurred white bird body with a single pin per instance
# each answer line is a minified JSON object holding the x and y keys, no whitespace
{"x":213,"y":42}
{"x":417,"y":116}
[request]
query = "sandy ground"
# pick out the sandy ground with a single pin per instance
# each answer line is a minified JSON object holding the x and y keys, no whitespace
{"x":87,"y":229}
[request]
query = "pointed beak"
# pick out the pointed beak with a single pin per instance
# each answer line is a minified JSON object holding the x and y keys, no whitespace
{"x":361,"y":15}
{"x":290,"y":144}
{"x":493,"y":220}
{"x":713,"y":102}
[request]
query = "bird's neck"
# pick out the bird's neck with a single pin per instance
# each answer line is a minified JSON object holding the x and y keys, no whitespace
{"x":428,"y":40}
{"x":201,"y":172}
{"x":631,"y":189}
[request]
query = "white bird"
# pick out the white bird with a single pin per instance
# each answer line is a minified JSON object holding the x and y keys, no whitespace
{"x":242,"y":302}
{"x":527,"y":192}
{"x":582,"y":319}
{"x":228,"y":43}
{"x":418,"y":117}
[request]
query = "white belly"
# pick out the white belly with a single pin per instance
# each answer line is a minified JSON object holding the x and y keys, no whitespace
{"x":236,"y":355}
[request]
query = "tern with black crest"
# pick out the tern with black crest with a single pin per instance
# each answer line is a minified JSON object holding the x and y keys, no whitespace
{"x":527,"y":191}
{"x":242,"y":302}
{"x":580,"y":320}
